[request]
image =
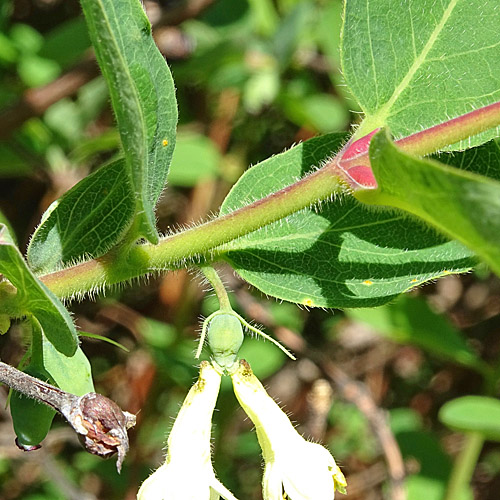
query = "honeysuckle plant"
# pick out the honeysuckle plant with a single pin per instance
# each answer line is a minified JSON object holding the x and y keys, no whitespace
{"x":338,"y":221}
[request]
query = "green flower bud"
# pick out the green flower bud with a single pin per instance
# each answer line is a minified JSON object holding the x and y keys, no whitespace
{"x":225,"y":336}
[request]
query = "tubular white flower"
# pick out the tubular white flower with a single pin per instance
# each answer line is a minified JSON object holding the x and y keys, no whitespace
{"x":187,"y":473}
{"x":293,"y":466}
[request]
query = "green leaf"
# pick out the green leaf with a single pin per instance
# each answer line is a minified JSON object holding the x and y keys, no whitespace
{"x":418,"y":63}
{"x":342,"y":254}
{"x":70,"y":373}
{"x":36,"y":71}
{"x":66,"y":43}
{"x":473,"y":414}
{"x":420,"y":486}
{"x":461,"y":204}
{"x":328,"y":30}
{"x":319,"y":112}
{"x":291,"y":30}
{"x":12,"y":164}
{"x":482,"y":160}
{"x":433,"y":464}
{"x":6,"y":223}
{"x":86,"y":222}
{"x":27,"y":39}
{"x":143,"y":97}
{"x":31,"y":419}
{"x":34,"y":298}
{"x":8,"y":50}
{"x":411,"y":320}
{"x":261,"y":89}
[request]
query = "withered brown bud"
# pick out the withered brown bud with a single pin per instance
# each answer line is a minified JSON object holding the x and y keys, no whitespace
{"x":101,"y":426}
{"x":100,"y":423}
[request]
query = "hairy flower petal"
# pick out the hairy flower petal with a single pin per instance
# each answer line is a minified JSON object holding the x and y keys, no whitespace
{"x":187,"y":473}
{"x":293,"y":466}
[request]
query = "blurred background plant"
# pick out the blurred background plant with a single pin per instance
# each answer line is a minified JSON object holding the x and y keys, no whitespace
{"x":253,"y":77}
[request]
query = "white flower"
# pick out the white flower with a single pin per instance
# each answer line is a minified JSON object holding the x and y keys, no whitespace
{"x":187,"y":473}
{"x":294,"y":468}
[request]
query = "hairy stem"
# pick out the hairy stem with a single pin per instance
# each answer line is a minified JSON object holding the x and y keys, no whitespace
{"x":202,"y":243}
{"x":219,"y":288}
{"x":197,"y":243}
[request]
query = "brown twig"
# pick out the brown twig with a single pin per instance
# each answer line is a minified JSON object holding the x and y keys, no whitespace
{"x":99,"y":422}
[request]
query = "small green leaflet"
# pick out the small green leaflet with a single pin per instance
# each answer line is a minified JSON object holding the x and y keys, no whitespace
{"x":341,"y":254}
{"x":417,"y":63}
{"x":143,"y":98}
{"x":70,"y":373}
{"x":35,"y":298}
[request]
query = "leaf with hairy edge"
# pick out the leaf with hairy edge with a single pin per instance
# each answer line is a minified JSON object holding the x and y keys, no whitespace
{"x":342,"y":254}
{"x":143,"y":98}
{"x":414,"y":64}
{"x":35,"y":299}
{"x":86,"y":222}
{"x":461,"y":204}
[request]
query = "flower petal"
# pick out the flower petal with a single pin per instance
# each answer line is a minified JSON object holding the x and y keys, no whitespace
{"x":187,"y":473}
{"x":170,"y":483}
{"x":272,"y":484}
{"x":310,"y":477}
{"x":217,"y":490}
{"x":304,"y":470}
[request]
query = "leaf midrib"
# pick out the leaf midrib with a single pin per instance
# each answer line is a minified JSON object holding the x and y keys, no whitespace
{"x":124,"y":69}
{"x":380,"y":117}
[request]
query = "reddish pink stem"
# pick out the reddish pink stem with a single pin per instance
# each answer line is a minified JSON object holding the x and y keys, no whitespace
{"x":354,"y":162}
